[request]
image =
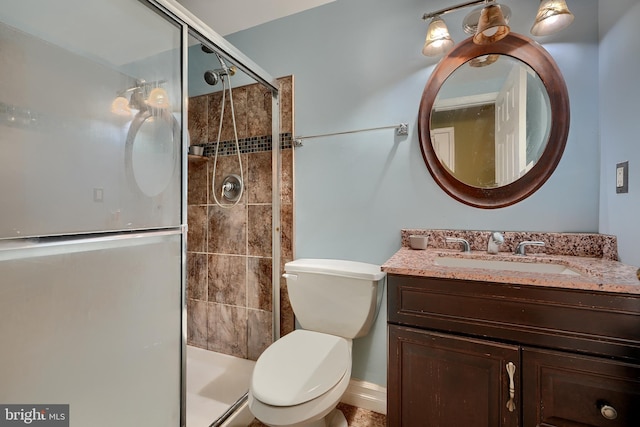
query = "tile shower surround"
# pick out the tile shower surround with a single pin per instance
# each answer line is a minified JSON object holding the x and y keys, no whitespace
{"x":229,"y":250}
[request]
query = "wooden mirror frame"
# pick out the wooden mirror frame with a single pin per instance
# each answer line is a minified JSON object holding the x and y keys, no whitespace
{"x":536,"y":57}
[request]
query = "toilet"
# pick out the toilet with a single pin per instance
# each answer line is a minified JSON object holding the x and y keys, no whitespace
{"x":300,"y":379}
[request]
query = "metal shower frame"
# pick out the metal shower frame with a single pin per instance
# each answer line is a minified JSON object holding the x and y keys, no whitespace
{"x":190,"y":24}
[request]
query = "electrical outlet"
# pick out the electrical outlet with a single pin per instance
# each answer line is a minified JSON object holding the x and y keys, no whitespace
{"x":619,"y":177}
{"x":622,"y":177}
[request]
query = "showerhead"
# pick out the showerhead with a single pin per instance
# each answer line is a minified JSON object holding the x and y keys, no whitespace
{"x":206,"y":49}
{"x":211,"y":77}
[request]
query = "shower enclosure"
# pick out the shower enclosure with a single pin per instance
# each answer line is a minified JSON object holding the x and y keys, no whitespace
{"x":233,"y":309}
{"x":93,"y":219}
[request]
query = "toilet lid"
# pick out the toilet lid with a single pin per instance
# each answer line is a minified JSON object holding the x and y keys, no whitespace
{"x":299,"y":367}
{"x":336,"y":267}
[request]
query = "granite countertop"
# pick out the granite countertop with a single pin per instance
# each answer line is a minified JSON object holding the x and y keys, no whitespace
{"x":598,"y":274}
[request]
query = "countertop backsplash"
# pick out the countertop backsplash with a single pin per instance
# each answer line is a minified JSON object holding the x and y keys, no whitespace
{"x":591,"y":245}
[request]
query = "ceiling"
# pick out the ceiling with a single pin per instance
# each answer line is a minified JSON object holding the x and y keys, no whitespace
{"x":228,"y":16}
{"x":129,"y":24}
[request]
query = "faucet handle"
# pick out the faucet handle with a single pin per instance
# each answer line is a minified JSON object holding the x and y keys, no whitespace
{"x":465,"y":244}
{"x":520,"y":249}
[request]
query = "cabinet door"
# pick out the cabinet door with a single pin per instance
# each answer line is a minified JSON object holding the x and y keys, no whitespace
{"x":563,"y":389}
{"x":438,"y":380}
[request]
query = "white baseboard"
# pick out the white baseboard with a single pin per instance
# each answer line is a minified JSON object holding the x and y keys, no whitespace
{"x":366,"y":395}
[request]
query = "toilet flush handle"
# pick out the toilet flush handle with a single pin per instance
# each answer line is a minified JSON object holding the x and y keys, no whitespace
{"x":290,"y":276}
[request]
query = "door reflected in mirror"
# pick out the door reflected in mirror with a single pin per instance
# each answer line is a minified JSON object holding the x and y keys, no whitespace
{"x":490,"y":122}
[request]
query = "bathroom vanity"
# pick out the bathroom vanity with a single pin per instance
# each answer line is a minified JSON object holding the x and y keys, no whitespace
{"x":474,"y":346}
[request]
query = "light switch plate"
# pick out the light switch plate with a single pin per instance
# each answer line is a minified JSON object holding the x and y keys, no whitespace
{"x":98,"y":194}
{"x":622,"y":177}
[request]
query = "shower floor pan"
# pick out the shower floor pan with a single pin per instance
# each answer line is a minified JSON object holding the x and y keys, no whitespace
{"x":216,"y":381}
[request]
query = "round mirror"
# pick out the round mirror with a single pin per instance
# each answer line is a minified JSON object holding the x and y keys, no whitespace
{"x":152,"y":151}
{"x":493,"y":121}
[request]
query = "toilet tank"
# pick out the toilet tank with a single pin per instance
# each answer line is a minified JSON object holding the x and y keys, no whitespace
{"x":336,"y":297}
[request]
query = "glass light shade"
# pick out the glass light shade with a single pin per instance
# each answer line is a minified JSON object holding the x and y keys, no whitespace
{"x":470,"y":22}
{"x":491,"y":26}
{"x":438,"y":39}
{"x":120,"y":106}
{"x":553,"y":16}
{"x":158,"y":98}
{"x":483,"y":61}
{"x":137,"y":100}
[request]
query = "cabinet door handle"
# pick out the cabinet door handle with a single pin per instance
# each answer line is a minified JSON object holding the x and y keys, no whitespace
{"x":511,"y":369}
{"x":607,"y":411}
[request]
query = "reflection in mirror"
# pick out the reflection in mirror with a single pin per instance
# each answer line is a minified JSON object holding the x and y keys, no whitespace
{"x":152,"y":151}
{"x":493,"y":121}
{"x":490,"y":121}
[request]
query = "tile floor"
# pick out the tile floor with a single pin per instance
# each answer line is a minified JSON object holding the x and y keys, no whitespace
{"x":356,"y":417}
{"x":215,"y":381}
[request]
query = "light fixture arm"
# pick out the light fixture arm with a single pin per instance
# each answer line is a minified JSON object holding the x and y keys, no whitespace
{"x":144,"y":96}
{"x":428,"y":16}
{"x":143,"y":85}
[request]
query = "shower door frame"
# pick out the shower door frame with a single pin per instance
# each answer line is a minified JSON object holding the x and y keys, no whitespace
{"x":189,"y":22}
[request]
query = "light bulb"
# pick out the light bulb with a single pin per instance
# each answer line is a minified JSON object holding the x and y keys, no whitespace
{"x":438,"y":39}
{"x":120,"y":106}
{"x":553,"y":16}
{"x":158,"y":98}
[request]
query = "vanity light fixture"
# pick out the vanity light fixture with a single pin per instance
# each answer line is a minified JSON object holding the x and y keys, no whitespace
{"x":438,"y":38}
{"x":553,"y":16}
{"x":489,"y":26}
{"x":490,"y":23}
{"x":492,"y":26}
{"x":120,"y":106}
{"x":144,"y":95}
{"x":158,"y":98}
{"x":137,"y":100}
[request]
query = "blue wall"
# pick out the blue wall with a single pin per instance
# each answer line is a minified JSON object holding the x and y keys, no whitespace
{"x":620,"y":123}
{"x":358,"y":64}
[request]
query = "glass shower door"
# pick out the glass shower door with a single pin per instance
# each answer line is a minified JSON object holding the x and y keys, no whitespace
{"x":93,"y":324}
{"x":90,"y":118}
{"x":91,"y":211}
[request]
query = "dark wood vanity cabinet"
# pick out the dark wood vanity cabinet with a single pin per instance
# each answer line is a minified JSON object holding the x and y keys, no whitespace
{"x":445,"y":380}
{"x":576,"y":355}
{"x":575,"y":390}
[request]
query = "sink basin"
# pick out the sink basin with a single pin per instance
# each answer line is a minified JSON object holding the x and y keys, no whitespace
{"x":528,"y":267}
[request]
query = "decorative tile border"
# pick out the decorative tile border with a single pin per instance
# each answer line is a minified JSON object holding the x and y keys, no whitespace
{"x":254,"y":144}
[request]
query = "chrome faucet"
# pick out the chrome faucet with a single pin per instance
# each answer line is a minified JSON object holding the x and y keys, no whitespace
{"x":520,"y":249}
{"x":465,"y":244}
{"x":495,"y":240}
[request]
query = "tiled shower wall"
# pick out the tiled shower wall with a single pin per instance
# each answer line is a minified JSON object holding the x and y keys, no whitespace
{"x":229,"y":250}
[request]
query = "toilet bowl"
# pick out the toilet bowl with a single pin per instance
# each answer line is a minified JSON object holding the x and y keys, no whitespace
{"x":300,"y":378}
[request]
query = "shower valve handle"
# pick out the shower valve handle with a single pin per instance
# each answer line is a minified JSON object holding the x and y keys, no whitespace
{"x":228,"y":186}
{"x":231,"y":188}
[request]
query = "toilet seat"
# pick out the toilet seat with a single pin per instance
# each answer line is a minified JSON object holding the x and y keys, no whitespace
{"x":306,"y":413}
{"x":300,"y":367}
